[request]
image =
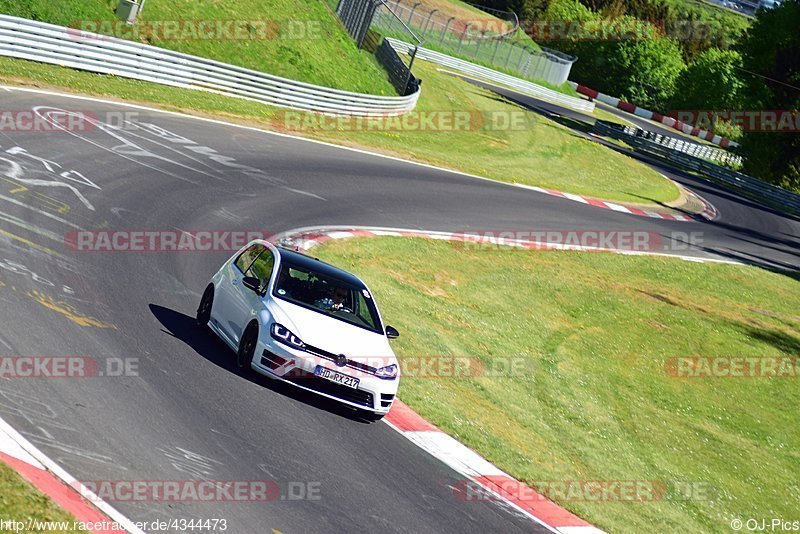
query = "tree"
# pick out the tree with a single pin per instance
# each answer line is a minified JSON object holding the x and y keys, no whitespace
{"x":645,"y":71}
{"x":712,"y":82}
{"x":771,"y":70}
{"x":642,"y":70}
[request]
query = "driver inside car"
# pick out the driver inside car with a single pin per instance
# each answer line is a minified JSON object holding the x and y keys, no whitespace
{"x":334,"y":302}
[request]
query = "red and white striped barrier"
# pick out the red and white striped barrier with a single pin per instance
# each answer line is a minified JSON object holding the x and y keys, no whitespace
{"x":652,"y":115}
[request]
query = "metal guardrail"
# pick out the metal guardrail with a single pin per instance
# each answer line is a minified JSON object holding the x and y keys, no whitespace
{"x":739,"y":182}
{"x":492,"y":75}
{"x":685,"y":146}
{"x":48,"y":43}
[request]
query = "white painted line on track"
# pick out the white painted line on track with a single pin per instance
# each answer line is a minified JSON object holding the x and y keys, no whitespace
{"x":40,"y":212}
{"x":278,"y":134}
{"x":41,"y":460}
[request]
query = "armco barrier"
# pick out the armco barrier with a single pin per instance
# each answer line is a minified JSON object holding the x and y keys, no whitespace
{"x":48,"y":43}
{"x":687,"y":147}
{"x":741,"y":183}
{"x":651,"y":115}
{"x":494,"y":76}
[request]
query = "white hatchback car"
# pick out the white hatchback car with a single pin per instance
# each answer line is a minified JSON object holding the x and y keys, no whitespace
{"x":300,"y":320}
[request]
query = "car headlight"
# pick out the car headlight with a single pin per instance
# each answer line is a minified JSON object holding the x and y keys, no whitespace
{"x":283,"y":335}
{"x":387,"y":373}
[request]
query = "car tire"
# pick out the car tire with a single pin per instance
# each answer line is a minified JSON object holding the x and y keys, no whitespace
{"x":204,"y":309}
{"x":247,"y":347}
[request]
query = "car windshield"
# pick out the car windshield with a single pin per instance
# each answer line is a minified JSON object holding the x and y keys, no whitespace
{"x":328,"y":295}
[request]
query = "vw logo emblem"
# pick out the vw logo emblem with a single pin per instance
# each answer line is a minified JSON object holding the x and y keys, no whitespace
{"x":341,"y":360}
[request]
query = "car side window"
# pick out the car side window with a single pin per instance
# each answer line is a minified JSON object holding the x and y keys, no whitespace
{"x":261,"y":268}
{"x":362,"y":310}
{"x":246,"y":258}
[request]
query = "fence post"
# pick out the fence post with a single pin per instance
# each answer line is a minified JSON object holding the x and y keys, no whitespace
{"x":478,"y":46}
{"x":510,"y":51}
{"x":496,"y":47}
{"x":461,"y":40}
{"x":411,"y":15}
{"x":427,"y":22}
{"x":410,"y":65}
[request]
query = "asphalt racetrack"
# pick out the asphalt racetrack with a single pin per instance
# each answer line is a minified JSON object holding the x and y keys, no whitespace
{"x":189,"y":413}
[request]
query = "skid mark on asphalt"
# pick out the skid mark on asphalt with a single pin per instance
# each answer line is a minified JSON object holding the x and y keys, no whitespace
{"x":40,"y":212}
{"x":16,"y":221}
{"x":190,"y":462}
{"x":37,"y":246}
{"x":68,"y":311}
{"x":42,"y":416}
{"x":305,"y":193}
{"x":3,"y":341}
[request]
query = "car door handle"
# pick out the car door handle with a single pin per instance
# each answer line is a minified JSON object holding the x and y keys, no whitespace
{"x":235,"y":281}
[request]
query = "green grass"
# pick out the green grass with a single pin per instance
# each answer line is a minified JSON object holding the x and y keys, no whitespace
{"x":722,"y":21}
{"x":20,"y":501}
{"x":324,"y":54}
{"x":544,"y":153}
{"x":594,"y":331}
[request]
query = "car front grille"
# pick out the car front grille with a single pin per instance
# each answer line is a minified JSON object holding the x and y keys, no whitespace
{"x":332,"y":357}
{"x":310,"y":381}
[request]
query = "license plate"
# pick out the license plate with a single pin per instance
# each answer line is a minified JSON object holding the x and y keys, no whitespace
{"x":339,"y":378}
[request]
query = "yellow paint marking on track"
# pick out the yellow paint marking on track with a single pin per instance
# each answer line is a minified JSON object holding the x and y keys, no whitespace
{"x":55,"y":205}
{"x":68,"y":311}
{"x":15,"y":237}
{"x":40,"y":212}
{"x":19,"y":188}
{"x":45,"y":200}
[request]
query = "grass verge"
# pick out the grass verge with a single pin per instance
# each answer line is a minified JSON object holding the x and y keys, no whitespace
{"x":594,"y":402}
{"x":20,"y":501}
{"x":542,"y":153}
{"x":297,"y":39}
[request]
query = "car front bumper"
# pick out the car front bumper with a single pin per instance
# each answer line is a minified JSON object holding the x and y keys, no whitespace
{"x":296,"y":367}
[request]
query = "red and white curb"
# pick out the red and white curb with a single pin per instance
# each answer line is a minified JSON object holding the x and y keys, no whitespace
{"x":468,"y":463}
{"x":49,"y":478}
{"x":500,"y":486}
{"x":605,"y":204}
{"x":709,"y":211}
{"x":447,"y":449}
{"x":306,"y":238}
{"x":651,"y":115}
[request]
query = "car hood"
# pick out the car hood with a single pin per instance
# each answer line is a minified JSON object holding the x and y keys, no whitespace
{"x":329,"y":334}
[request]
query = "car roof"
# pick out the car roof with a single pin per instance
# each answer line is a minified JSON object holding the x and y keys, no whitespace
{"x":319,"y":266}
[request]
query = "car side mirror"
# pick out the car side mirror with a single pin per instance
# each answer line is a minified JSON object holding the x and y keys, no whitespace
{"x":251,"y":282}
{"x":391,"y":332}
